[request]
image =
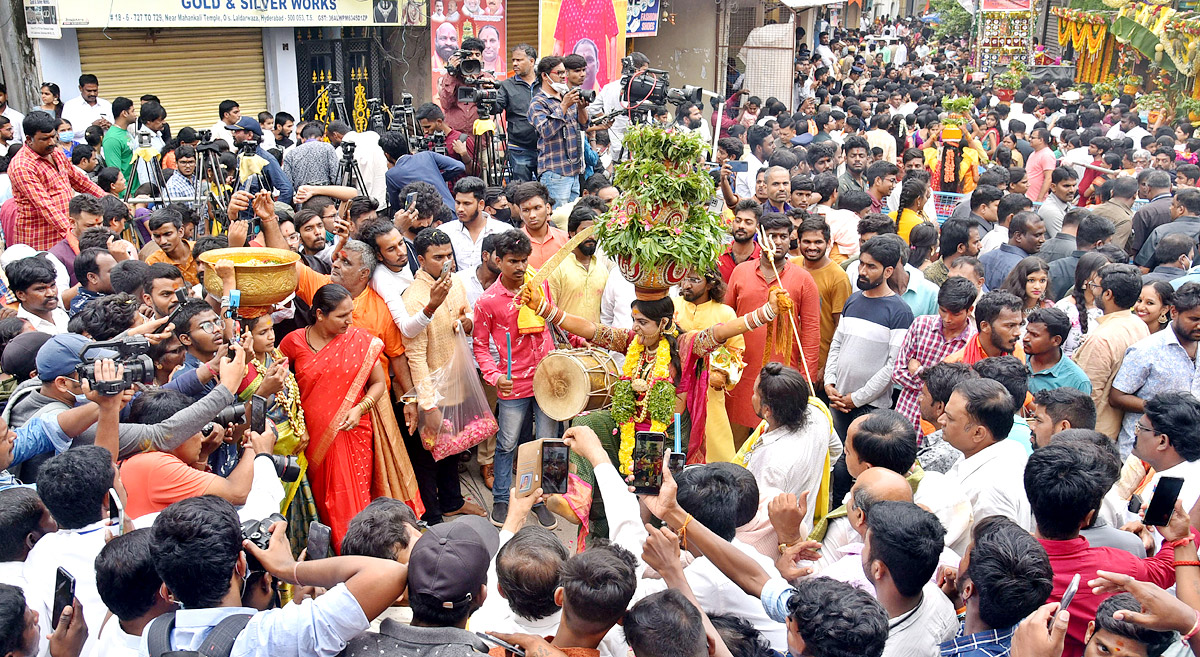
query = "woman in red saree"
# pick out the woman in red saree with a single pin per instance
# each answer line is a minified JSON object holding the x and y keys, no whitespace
{"x":340,"y":378}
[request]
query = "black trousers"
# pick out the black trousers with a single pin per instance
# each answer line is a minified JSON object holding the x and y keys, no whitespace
{"x":437,"y":481}
{"x":841,"y":481}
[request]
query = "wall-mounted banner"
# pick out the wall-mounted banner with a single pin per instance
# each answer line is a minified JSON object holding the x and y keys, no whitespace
{"x":450,"y":24}
{"x":239,"y":13}
{"x":643,"y":18}
{"x":592,"y":28}
{"x":41,"y":19}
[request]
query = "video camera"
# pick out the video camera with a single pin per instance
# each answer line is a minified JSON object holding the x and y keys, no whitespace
{"x":483,"y":94}
{"x":348,"y":150}
{"x":258,"y":532}
{"x":652,"y":87}
{"x":249,"y":148}
{"x":131,"y":352}
{"x":435,"y":142}
{"x":470,"y":64}
{"x":144,"y":137}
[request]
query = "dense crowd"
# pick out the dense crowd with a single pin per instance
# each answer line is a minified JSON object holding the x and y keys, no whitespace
{"x":938,"y":396}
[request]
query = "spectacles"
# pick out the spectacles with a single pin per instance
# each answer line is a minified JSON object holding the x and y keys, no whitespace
{"x":1092,"y":285}
{"x":213,"y":326}
{"x":1141,"y":427}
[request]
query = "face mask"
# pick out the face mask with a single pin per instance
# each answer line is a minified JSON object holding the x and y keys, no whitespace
{"x":504,"y":215}
{"x":66,"y":136}
{"x":560,"y":87}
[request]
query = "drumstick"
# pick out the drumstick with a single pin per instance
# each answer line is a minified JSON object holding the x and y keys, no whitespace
{"x":508,"y":343}
{"x":677,"y":445}
{"x":769,"y":247}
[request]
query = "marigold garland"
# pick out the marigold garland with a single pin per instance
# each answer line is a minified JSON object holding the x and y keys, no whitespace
{"x":658,"y":388}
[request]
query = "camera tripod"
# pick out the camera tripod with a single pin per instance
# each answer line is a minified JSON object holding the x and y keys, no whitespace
{"x":488,"y":165}
{"x":332,"y":94}
{"x":348,"y":172}
{"x":210,"y":185}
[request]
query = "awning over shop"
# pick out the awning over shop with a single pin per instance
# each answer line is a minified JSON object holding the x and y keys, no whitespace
{"x":797,"y":5}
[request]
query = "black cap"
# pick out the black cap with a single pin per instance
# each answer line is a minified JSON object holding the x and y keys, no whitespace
{"x":450,"y":561}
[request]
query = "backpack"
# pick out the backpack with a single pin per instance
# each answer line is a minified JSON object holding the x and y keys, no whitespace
{"x":218,"y":643}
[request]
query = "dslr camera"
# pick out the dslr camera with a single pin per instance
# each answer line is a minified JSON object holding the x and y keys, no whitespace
{"x":258,"y":532}
{"x":287,"y":467}
{"x":435,"y":142}
{"x":249,"y":148}
{"x":348,"y":149}
{"x":131,"y":352}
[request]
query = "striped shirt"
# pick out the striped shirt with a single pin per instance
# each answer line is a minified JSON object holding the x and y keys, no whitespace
{"x":870,"y":333}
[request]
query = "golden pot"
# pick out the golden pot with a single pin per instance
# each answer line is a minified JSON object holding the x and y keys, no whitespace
{"x":264,"y":276}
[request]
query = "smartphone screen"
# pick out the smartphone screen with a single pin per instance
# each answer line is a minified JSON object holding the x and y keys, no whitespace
{"x":556,"y":460}
{"x":64,"y":595}
{"x":676,"y":462}
{"x":1158,"y":512}
{"x":318,"y":541}
{"x":648,"y":462}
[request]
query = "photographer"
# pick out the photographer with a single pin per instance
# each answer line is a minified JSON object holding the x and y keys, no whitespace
{"x":515,"y":95}
{"x":609,"y":99}
{"x":408,"y":167}
{"x":198,"y":552}
{"x":558,"y":116}
{"x":459,"y":145}
{"x":158,"y":478}
{"x":460,"y":116}
{"x":247,"y":129}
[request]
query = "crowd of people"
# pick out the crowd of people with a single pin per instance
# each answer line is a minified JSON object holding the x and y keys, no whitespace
{"x":945,"y":364}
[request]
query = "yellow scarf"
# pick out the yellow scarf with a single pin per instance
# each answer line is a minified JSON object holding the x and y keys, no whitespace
{"x":529,"y":321}
{"x":752,"y":443}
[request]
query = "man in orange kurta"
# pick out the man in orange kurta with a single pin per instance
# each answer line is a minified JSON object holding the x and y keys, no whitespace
{"x":748,"y":287}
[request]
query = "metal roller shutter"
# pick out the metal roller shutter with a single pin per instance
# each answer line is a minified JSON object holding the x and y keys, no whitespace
{"x":191,"y":70}
{"x":522,"y":23}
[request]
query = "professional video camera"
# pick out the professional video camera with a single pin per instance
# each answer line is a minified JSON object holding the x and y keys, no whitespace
{"x":144,"y":137}
{"x":484,"y":94}
{"x":652,"y":87}
{"x":131,"y":352}
{"x":258,"y":532}
{"x":435,"y":142}
{"x":249,"y":148}
{"x":348,"y":149}
{"x":205,"y":136}
{"x":469,"y":64}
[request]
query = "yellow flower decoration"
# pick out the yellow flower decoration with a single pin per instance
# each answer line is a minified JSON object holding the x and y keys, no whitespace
{"x":660,"y":372}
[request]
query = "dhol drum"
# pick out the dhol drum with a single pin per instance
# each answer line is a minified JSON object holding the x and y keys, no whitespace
{"x":570,"y":381}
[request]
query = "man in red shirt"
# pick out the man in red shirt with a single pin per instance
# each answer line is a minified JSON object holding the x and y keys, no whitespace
{"x":1065,"y":483}
{"x":749,"y":287}
{"x":744,"y":229}
{"x":43,"y":182}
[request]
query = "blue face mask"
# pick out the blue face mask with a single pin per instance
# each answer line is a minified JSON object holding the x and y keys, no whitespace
{"x":66,"y":136}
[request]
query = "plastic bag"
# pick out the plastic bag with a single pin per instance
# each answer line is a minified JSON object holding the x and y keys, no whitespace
{"x":460,"y":417}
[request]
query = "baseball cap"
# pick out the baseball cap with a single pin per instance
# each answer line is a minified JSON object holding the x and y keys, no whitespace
{"x":247,"y":123}
{"x":60,"y":354}
{"x":450,"y":561}
{"x":20,"y":356}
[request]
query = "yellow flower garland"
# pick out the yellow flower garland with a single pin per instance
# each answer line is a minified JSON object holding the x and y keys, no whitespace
{"x":660,"y":372}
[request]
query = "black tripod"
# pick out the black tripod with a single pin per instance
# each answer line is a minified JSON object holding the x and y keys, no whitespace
{"x":210,"y":182}
{"x":348,"y":173}
{"x":332,"y":95}
{"x":488,"y":166}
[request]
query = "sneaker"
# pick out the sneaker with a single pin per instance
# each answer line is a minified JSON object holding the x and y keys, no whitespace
{"x":545,"y":517}
{"x":499,"y":513}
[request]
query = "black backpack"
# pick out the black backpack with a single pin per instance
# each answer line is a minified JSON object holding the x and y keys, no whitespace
{"x":218,"y":643}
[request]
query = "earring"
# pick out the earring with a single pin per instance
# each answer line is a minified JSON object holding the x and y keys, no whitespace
{"x":1163,"y":319}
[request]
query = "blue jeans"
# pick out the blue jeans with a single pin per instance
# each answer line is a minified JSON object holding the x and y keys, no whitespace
{"x":511,"y":418}
{"x":563,"y":189}
{"x":523,"y":163}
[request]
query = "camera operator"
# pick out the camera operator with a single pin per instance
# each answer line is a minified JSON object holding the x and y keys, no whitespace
{"x":459,"y":145}
{"x":198,"y":552}
{"x":460,"y":116}
{"x":609,"y":101}
{"x":372,"y":163}
{"x":558,"y":116}
{"x":247,"y":129}
{"x":515,"y":95}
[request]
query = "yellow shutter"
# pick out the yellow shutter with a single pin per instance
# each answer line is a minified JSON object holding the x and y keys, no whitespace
{"x":522,"y":24}
{"x":191,"y":70}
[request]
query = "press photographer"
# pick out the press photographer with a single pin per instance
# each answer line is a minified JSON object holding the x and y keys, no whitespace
{"x":202,"y":556}
{"x":515,"y":95}
{"x":439,"y":137}
{"x":558,"y":115}
{"x":460,"y":116}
